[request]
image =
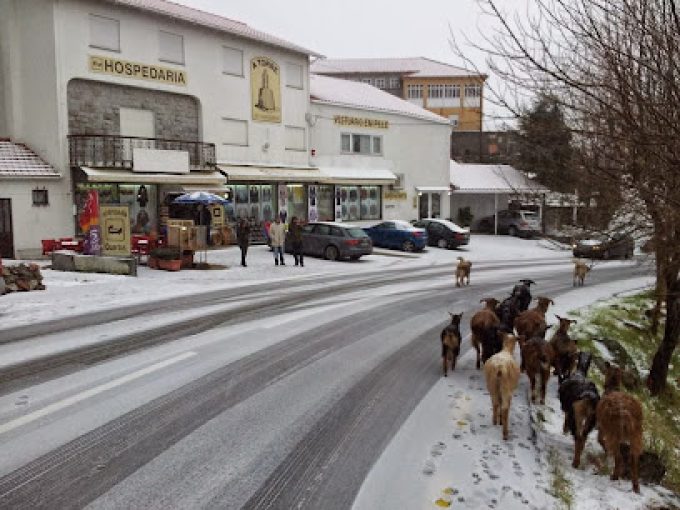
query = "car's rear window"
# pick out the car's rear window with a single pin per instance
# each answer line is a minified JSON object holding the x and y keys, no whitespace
{"x":356,"y":232}
{"x":530,"y":216}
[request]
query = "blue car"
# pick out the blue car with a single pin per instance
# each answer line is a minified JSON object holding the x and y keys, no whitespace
{"x":398,"y":234}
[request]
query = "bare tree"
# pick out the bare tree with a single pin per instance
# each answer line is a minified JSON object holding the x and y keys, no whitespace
{"x":614,"y":68}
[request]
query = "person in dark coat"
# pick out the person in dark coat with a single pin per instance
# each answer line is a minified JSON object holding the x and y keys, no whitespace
{"x":243,"y":238}
{"x":295,"y":232}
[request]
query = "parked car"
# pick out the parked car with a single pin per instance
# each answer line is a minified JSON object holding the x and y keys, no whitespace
{"x":605,"y":246}
{"x":443,"y":233}
{"x":333,"y":241}
{"x":398,"y":234}
{"x":515,"y":223}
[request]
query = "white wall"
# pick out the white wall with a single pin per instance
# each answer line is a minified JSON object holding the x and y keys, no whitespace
{"x":30,"y":115}
{"x":417,"y":148}
{"x":49,"y":42}
{"x":220,"y":95}
{"x":32,"y":223}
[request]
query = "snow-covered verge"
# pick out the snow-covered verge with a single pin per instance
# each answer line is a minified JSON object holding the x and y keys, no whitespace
{"x":448,"y":454}
{"x":77,"y":293}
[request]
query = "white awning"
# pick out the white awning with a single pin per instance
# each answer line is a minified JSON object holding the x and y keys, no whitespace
{"x":270,"y":174}
{"x":473,"y":178}
{"x":428,"y":189}
{"x":130,"y":177}
{"x":345,"y":175}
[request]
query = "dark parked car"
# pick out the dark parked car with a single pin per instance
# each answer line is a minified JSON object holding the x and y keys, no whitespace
{"x":443,"y":233}
{"x":333,"y":241}
{"x":398,"y":234}
{"x":605,"y":246}
{"x":515,"y":223}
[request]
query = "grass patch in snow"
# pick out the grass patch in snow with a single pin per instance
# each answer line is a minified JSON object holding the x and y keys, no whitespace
{"x":560,"y":486}
{"x":620,"y":327}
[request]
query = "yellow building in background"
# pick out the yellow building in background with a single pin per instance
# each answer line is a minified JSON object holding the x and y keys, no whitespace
{"x":444,"y":89}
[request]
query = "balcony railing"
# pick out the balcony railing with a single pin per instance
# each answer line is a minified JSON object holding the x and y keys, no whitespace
{"x":110,"y":151}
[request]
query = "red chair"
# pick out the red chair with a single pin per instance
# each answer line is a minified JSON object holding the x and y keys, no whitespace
{"x":49,"y":245}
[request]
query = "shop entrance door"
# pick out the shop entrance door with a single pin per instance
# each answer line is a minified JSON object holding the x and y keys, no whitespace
{"x":424,"y":206}
{"x":6,"y":236}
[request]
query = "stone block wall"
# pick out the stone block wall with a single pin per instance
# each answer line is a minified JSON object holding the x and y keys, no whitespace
{"x":93,"y":108}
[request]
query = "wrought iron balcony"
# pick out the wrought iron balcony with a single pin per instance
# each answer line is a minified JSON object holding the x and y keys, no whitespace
{"x":110,"y":151}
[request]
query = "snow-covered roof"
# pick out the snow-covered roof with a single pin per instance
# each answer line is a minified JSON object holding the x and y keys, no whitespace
{"x":17,"y":160}
{"x":324,"y":89}
{"x":414,"y":66}
{"x":478,"y":178}
{"x":210,"y":20}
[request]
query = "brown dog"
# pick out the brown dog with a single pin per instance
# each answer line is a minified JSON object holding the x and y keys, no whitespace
{"x":463,"y":272}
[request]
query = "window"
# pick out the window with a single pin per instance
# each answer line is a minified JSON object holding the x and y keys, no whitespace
{"x":171,"y":47}
{"x":104,"y":33}
{"x":345,"y":143}
{"x":295,"y":138}
{"x":361,"y":144}
{"x":435,"y":91}
{"x":232,"y":61}
{"x":414,"y":91}
{"x":367,"y":80}
{"x":394,"y":83}
{"x":235,"y":132}
{"x":454,"y":120}
{"x":380,"y":83}
{"x":40,"y":197}
{"x":452,"y":90}
{"x":377,"y":145}
{"x":473,"y":91}
{"x":294,"y":76}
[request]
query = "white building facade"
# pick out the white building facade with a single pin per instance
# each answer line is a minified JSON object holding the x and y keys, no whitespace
{"x":144,"y":100}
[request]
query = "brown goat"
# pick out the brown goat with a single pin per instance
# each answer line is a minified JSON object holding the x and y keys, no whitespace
{"x":502,"y":376}
{"x":580,"y":271}
{"x":619,"y":422}
{"x":531,"y":323}
{"x":482,"y":325}
{"x":450,"y":338}
{"x":463,"y":272}
{"x":564,"y":349}
{"x":537,"y":360}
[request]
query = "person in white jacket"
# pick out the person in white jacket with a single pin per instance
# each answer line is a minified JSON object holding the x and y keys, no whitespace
{"x":277,"y":236}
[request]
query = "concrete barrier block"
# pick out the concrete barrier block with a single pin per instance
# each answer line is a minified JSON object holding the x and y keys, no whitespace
{"x":94,"y":264}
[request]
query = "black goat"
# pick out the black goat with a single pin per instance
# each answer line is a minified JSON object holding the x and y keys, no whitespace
{"x":523,"y":294}
{"x":579,"y":398}
{"x":507,"y":312}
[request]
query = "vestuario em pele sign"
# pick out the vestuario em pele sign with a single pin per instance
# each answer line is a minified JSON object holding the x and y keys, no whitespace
{"x":116,"y":67}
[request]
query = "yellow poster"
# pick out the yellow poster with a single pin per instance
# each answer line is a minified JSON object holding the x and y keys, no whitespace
{"x":265,"y":86}
{"x":115,"y":224}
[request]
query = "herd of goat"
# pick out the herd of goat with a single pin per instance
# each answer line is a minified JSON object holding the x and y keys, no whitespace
{"x":499,"y":326}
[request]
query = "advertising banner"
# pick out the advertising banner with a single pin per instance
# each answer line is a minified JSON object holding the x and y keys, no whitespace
{"x":265,"y":83}
{"x":115,"y":230}
{"x":89,"y":223}
{"x":313,"y":211}
{"x":283,"y":202}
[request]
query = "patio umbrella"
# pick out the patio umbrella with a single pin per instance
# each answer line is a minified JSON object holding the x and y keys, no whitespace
{"x":200,"y":197}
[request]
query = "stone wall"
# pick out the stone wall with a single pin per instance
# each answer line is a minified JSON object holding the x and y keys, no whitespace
{"x":93,"y":108}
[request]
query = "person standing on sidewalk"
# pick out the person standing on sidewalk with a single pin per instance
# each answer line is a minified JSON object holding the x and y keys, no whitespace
{"x":277,"y":236}
{"x":243,"y":238}
{"x":295,"y":232}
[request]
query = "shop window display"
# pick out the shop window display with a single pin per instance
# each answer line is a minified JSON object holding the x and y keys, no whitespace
{"x":297,"y":201}
{"x":325,"y":207}
{"x":141,"y":199}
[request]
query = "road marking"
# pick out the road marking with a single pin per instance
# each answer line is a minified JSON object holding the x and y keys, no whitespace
{"x":23,"y":420}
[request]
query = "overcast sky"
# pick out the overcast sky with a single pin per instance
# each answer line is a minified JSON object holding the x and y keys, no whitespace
{"x":365,"y":28}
